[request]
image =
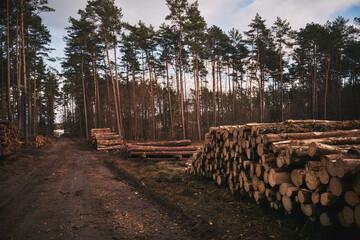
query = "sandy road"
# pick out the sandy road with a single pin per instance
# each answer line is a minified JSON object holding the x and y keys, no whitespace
{"x":68,"y":193}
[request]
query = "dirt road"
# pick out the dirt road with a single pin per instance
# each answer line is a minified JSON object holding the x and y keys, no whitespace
{"x":67,"y":193}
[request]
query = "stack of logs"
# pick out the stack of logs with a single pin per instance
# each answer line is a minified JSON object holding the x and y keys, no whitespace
{"x":42,"y":140}
{"x":9,"y":138}
{"x":162,"y":150}
{"x":310,"y":165}
{"x":105,"y":140}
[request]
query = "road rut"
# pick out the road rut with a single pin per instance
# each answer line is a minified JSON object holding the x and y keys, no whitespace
{"x":68,"y":193}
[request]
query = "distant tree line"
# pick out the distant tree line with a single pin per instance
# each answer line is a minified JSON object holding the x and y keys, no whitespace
{"x":29,"y":88}
{"x":178,"y":80}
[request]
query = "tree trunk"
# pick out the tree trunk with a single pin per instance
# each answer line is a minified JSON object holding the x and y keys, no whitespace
{"x":198,"y":97}
{"x":320,"y":149}
{"x":95,"y":91}
{"x":221,"y":92}
{"x":152,"y":96}
{"x":214,"y":91}
{"x":326,"y":86}
{"x":178,"y":143}
{"x":3,"y":94}
{"x":18,"y":70}
{"x":269,"y":138}
{"x":314,"y":87}
{"x":169,"y":93}
{"x":97,"y":96}
{"x":139,"y":148}
{"x":26,"y":130}
{"x":84,"y":98}
{"x":108,"y":111}
{"x":134,"y":96}
{"x":8,"y":62}
{"x":117,"y":88}
{"x":113,"y":82}
{"x":234,"y":95}
{"x":158,"y":96}
{"x":258,"y":79}
{"x":281,"y":86}
{"x":181,"y":88}
{"x":162,"y":153}
{"x":250,"y":94}
{"x":35,"y":100}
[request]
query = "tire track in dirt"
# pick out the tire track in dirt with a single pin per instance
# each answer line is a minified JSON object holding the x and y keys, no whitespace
{"x":70,"y":194}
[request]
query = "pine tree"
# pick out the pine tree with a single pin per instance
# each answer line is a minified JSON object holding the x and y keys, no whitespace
{"x":195,"y":27}
{"x":178,"y":17}
{"x":282,"y":33}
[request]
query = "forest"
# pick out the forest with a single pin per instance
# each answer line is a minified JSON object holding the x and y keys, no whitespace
{"x":176,"y":80}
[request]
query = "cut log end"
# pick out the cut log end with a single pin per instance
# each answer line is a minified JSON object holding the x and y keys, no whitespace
{"x":325,"y":219}
{"x":312,"y":181}
{"x":276,"y":178}
{"x":351,"y":198}
{"x":287,"y":203}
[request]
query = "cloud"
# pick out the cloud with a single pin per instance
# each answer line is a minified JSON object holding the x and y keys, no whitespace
{"x":226,"y":14}
{"x":149,"y":11}
{"x":63,"y":10}
{"x":238,"y":13}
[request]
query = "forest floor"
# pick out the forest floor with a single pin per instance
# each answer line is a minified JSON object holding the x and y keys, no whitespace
{"x":70,"y":191}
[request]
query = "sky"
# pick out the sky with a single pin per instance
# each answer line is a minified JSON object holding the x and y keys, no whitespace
{"x":226,"y":14}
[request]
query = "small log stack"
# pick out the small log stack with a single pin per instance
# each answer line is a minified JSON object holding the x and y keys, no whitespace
{"x":309,"y":165}
{"x":42,"y":140}
{"x":161,"y":150}
{"x":9,"y":138}
{"x":105,"y":140}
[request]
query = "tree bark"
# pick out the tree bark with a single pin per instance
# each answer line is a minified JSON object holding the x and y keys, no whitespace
{"x":320,"y":149}
{"x":113,"y":82}
{"x":84,"y":98}
{"x":185,"y":142}
{"x":161,"y":153}
{"x":169,"y":93}
{"x":8,"y":61}
{"x":258,"y":80}
{"x":18,"y":70}
{"x":134,"y":96}
{"x":117,"y":87}
{"x":95,"y":91}
{"x":269,"y":138}
{"x":281,"y":85}
{"x":152,"y":97}
{"x":158,"y":96}
{"x":326,"y":86}
{"x":181,"y":87}
{"x":214,"y":91}
{"x":35,"y":99}
{"x":139,"y":148}
{"x":198,"y":96}
{"x":26,"y":130}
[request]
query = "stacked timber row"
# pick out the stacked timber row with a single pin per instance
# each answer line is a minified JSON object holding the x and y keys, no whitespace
{"x":105,"y":140}
{"x":9,"y":138}
{"x":163,"y":150}
{"x":42,"y":140}
{"x":309,"y":165}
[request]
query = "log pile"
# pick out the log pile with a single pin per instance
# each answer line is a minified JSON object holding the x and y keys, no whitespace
{"x":41,"y":140}
{"x":95,"y":131}
{"x":311,"y":166}
{"x":9,"y":138}
{"x":105,"y":140}
{"x":161,"y":150}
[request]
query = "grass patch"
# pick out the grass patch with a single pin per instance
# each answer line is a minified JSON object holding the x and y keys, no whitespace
{"x":187,"y":191}
{"x":164,"y":177}
{"x":240,"y":216}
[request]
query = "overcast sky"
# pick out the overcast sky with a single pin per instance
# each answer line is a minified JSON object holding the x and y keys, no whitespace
{"x":226,"y":14}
